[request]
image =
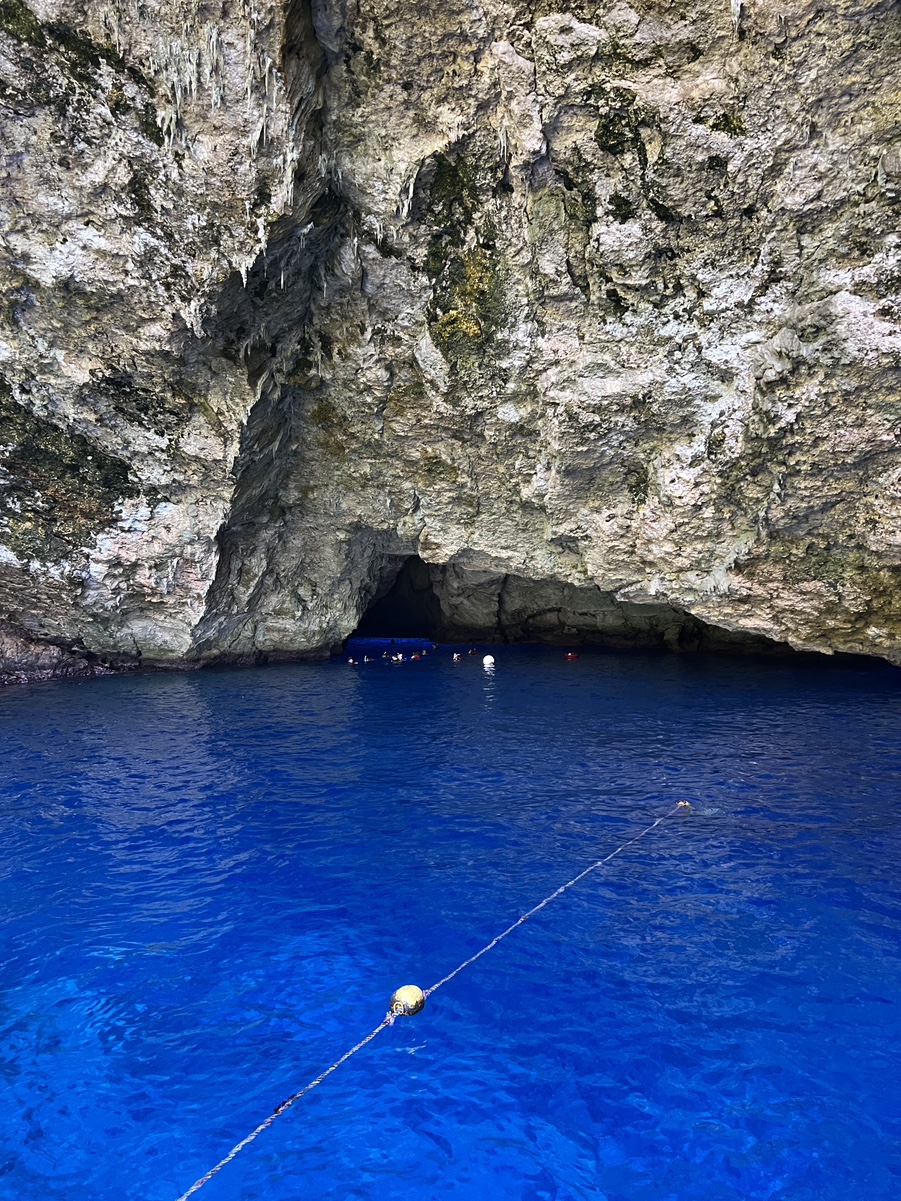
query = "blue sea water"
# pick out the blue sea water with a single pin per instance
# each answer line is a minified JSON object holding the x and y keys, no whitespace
{"x":212,"y":882}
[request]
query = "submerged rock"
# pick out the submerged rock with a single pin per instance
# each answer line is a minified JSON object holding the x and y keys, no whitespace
{"x":592,"y":308}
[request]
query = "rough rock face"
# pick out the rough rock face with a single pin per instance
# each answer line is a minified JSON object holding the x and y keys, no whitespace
{"x":452,"y":604}
{"x":595,"y":307}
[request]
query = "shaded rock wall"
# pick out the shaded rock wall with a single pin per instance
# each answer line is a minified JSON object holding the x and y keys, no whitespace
{"x":601,"y":296}
{"x":449,"y":603}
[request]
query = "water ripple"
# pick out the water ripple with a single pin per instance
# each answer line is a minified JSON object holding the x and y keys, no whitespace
{"x":210,"y":884}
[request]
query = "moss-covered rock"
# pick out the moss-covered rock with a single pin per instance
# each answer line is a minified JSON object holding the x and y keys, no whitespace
{"x":473,"y":306}
{"x":19,"y":22}
{"x":58,"y":489}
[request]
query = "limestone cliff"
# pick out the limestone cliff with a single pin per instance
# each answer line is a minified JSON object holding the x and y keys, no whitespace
{"x":594,"y":307}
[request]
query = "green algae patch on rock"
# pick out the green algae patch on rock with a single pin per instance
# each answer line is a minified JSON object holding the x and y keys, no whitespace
{"x":473,"y":306}
{"x":405,"y":400}
{"x":58,"y":489}
{"x":449,"y":209}
{"x":332,"y":433}
{"x":19,"y":22}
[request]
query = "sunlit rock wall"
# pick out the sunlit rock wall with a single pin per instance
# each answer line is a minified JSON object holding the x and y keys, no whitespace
{"x":592,"y":295}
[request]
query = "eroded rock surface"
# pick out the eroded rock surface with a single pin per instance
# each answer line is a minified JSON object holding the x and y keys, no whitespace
{"x":591,"y":299}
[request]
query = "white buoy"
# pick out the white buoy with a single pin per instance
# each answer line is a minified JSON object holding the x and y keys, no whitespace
{"x":406,"y":1000}
{"x":488,"y":661}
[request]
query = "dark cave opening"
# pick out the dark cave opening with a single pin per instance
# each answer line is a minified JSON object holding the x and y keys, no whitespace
{"x":408,"y":609}
{"x":456,"y":604}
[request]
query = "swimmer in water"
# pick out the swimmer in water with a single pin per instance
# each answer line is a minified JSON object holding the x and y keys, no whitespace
{"x":473,"y":651}
{"x":457,"y":657}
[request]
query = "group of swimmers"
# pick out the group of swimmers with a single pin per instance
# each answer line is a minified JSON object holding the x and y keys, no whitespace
{"x":399,"y":657}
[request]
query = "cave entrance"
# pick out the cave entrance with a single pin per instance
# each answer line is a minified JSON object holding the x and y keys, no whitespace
{"x":405,"y":605}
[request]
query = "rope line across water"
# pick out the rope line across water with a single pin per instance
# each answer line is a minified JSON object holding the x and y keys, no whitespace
{"x":389,"y":1018}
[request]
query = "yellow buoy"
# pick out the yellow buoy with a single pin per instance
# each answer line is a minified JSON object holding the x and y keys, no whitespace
{"x":407,"y":1000}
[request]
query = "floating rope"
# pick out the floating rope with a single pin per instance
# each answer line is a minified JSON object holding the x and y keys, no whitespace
{"x":409,"y":1000}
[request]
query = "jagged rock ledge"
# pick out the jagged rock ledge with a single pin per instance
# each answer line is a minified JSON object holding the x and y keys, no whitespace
{"x":446,"y":604}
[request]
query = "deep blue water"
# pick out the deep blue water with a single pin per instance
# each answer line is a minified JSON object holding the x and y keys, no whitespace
{"x":212,"y":882}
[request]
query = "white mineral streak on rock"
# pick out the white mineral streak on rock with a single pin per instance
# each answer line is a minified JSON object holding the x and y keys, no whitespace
{"x":520,"y":134}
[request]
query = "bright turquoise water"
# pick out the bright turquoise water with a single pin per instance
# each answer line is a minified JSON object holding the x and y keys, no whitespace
{"x":211,"y":883}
